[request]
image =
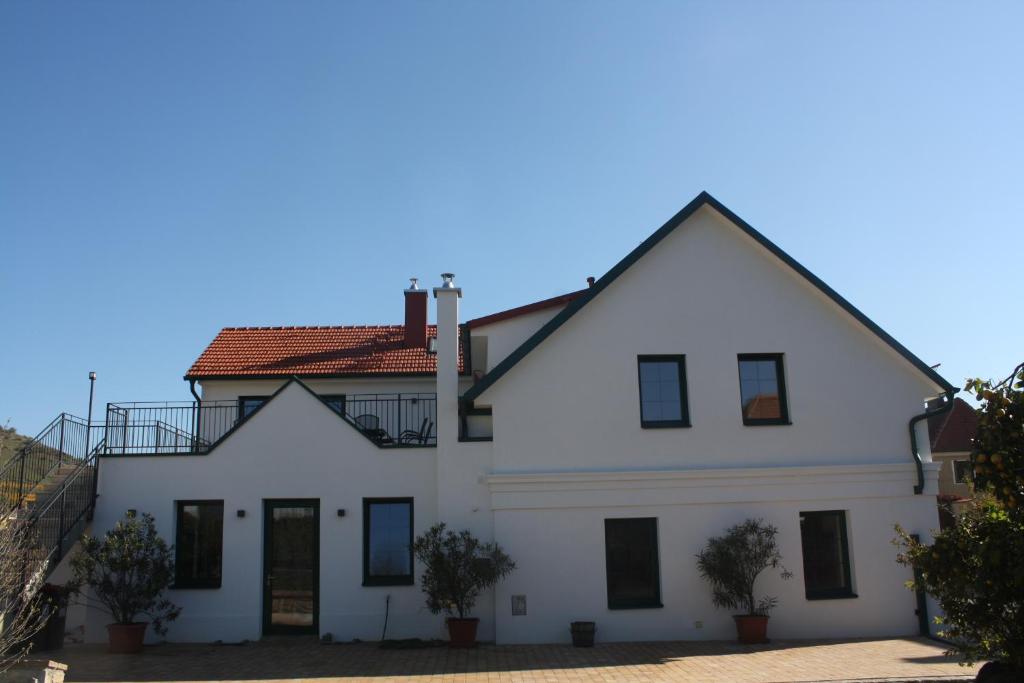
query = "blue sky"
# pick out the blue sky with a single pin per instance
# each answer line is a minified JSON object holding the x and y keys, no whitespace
{"x":170,"y":168}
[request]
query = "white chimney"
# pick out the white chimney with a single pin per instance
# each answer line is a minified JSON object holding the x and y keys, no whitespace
{"x":447,"y":296}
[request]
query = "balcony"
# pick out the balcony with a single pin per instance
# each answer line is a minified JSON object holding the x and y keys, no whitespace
{"x":191,"y":428}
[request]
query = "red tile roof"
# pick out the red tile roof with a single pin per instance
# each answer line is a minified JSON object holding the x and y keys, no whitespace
{"x":362,"y":350}
{"x":523,"y":310}
{"x":953,"y":431}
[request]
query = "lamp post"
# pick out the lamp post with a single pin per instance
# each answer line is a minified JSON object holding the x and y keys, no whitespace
{"x":92,"y":386}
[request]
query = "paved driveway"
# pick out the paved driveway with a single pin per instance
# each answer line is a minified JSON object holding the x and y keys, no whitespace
{"x":860,"y":660}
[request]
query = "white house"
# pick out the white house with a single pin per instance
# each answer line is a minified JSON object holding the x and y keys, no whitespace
{"x":600,"y":437}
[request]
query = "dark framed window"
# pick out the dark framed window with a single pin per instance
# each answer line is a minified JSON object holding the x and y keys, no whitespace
{"x":387,"y":541}
{"x":663,"y":400}
{"x":763,"y":389}
{"x":198,"y":543}
{"x":247,"y":404}
{"x":631,"y":557}
{"x":961,"y":471}
{"x":335,"y":401}
{"x":826,"y":555}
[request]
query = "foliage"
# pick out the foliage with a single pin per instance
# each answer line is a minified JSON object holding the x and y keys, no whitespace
{"x":128,"y":571}
{"x":457,"y":567}
{"x":21,"y":576}
{"x":732,"y":563}
{"x":975,"y":569}
{"x":998,"y":453}
{"x":10,"y":443}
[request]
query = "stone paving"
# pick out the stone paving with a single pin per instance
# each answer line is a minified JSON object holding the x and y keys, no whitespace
{"x":907,"y":659}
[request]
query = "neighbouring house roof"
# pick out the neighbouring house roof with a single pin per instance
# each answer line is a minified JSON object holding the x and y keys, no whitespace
{"x":952,"y":432}
{"x":701,"y":200}
{"x":336,"y":351}
{"x":523,"y":310}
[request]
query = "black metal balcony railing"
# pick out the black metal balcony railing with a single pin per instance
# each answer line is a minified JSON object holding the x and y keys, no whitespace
{"x":190,"y":428}
{"x":178,"y":428}
{"x":394,"y":420}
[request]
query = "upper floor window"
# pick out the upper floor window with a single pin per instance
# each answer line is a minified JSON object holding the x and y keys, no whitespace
{"x":826,"y":555}
{"x":763,"y":389}
{"x":335,"y":401}
{"x":247,"y":404}
{"x":631,"y":561}
{"x":198,"y":543}
{"x":387,"y":541}
{"x":663,"y":401}
{"x":961,"y":471}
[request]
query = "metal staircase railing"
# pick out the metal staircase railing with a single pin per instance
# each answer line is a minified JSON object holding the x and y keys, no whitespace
{"x":56,"y":524}
{"x":64,"y":441}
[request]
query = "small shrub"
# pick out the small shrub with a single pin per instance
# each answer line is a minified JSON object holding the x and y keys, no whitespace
{"x":458,"y":567}
{"x":732,"y":563}
{"x":128,"y":570}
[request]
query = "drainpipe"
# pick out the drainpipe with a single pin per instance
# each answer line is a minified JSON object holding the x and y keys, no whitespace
{"x":915,"y":451}
{"x":195,"y":418}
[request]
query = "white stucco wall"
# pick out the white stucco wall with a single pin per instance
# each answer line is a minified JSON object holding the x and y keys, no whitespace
{"x":295,"y":447}
{"x":710,"y":292}
{"x":505,"y":336}
{"x":553,"y":525}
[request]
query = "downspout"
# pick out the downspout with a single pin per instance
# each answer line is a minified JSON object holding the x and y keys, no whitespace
{"x":195,"y":418}
{"x":915,"y":451}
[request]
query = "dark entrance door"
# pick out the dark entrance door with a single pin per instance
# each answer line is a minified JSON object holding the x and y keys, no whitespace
{"x":291,"y":566}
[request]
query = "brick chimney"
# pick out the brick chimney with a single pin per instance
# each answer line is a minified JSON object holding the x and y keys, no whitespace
{"x":415,"y":316}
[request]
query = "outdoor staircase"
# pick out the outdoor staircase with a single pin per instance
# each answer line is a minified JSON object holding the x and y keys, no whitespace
{"x":50,"y":486}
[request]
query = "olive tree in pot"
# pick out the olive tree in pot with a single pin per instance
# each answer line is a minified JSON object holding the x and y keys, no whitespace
{"x":457,"y":567}
{"x":732,"y":563}
{"x":128,"y":571}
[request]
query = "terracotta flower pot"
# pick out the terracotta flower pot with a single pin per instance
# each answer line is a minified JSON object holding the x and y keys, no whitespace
{"x":126,"y":639}
{"x":462,"y":632}
{"x":751,"y":629}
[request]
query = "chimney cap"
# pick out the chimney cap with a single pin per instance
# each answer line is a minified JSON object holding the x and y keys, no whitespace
{"x":448,"y":284}
{"x":414,"y":285}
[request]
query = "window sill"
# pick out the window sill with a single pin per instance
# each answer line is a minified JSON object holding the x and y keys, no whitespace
{"x":388,"y":581}
{"x":766,"y":423}
{"x":644,"y":605}
{"x":665,"y":425}
{"x":834,"y":595}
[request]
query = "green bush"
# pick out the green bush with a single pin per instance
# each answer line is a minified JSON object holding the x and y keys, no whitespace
{"x":128,"y":571}
{"x":732,"y":563}
{"x":975,"y":570}
{"x":457,"y":567}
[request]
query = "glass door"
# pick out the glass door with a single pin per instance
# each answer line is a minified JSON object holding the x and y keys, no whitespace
{"x":291,"y":566}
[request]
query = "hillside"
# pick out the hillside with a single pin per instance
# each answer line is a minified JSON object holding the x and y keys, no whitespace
{"x":10,"y":443}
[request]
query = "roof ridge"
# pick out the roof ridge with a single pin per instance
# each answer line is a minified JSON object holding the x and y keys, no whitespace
{"x":248,"y":328}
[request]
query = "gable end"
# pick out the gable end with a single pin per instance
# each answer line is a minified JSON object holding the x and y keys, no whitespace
{"x":701,"y":200}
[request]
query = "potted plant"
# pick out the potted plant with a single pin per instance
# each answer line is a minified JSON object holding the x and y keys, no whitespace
{"x":457,"y":566}
{"x":732,"y":563}
{"x":128,"y":571}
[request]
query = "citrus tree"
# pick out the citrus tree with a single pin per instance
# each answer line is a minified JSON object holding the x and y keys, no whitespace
{"x":975,"y":568}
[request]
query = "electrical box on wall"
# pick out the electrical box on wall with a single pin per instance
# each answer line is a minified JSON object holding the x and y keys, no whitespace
{"x":518,"y":605}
